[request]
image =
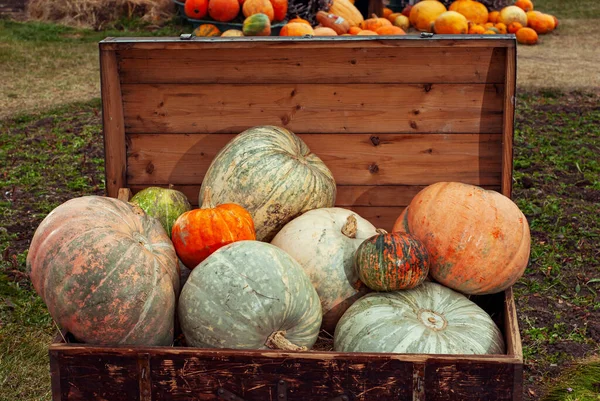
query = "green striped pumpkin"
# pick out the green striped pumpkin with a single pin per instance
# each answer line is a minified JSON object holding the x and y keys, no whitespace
{"x":428,"y":319}
{"x":257,"y":25}
{"x":273,"y":174}
{"x":245,"y":296}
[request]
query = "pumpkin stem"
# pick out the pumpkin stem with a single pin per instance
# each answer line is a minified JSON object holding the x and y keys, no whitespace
{"x":381,"y":231}
{"x":374,"y":16}
{"x":350,"y":227}
{"x":171,"y":186}
{"x":277,"y":340}
{"x":206,"y":200}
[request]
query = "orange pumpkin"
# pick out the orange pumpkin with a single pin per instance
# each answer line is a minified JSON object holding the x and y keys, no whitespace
{"x":300,"y":20}
{"x":223,"y":10}
{"x":478,"y":240}
{"x":488,"y":25}
{"x":390,"y":30}
{"x":526,"y":5}
{"x":476,"y":29}
{"x":392,"y":17}
{"x":501,"y":27}
{"x":354,"y":30}
{"x":232,"y":33}
{"x":324,"y":31}
{"x":200,"y":232}
{"x":513,"y":27}
{"x":527,"y":36}
{"x":366,"y":32}
{"x":451,"y":22}
{"x":490,"y":32}
{"x":424,"y":13}
{"x":493,"y":16}
{"x":512,"y":14}
{"x":196,"y":9}
{"x":252,"y":7}
{"x":473,"y":11}
{"x":280,"y":8}
{"x":206,"y":30}
{"x":387,"y":12}
{"x":296,"y":29}
{"x":542,"y":23}
{"x":374,"y":23}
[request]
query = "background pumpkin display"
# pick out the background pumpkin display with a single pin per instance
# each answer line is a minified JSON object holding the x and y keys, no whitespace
{"x":250,"y":295}
{"x":107,"y":272}
{"x":323,"y":242}
{"x":428,"y":319}
{"x":271,"y":172}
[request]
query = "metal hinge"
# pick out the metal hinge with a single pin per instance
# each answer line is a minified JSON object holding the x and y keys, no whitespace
{"x":426,"y":35}
{"x":224,"y":394}
{"x":186,"y":36}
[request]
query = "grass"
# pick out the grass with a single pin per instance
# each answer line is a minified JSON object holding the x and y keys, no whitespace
{"x":577,"y":384}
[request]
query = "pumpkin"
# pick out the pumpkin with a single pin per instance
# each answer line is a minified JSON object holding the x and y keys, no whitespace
{"x":387,"y":12}
{"x":347,"y":11}
{"x":428,"y":319}
{"x":252,"y":7}
{"x":512,"y":14}
{"x":298,"y":19}
{"x":555,"y":21}
{"x":354,"y":30}
{"x":513,"y":27}
{"x":196,"y":9}
{"x":402,"y":22}
{"x":324,"y":241}
{"x":390,"y":30}
{"x":324,"y":31}
{"x":232,"y":33}
{"x":366,"y":32}
{"x":424,"y":13}
{"x":473,"y":11}
{"x":451,"y":22}
{"x":206,"y":30}
{"x":374,"y":23}
{"x":249,"y":295}
{"x":273,"y":174}
{"x":296,"y":29}
{"x":107,"y":272}
{"x":488,"y":25}
{"x":542,"y":23}
{"x":406,"y":10}
{"x":525,"y":5}
{"x":392,"y":17}
{"x":257,"y":25}
{"x":501,"y":27}
{"x":478,"y":240}
{"x":476,"y":29}
{"x":392,"y":261}
{"x":527,"y":36}
{"x":200,"y":232}
{"x":223,"y":10}
{"x":280,"y":8}
{"x":328,"y":20}
{"x":493,"y":16}
{"x":490,"y":32}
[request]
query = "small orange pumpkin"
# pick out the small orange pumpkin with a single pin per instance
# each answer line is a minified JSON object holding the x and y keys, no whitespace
{"x":489,"y":32}
{"x":299,"y":20}
{"x":476,"y":29}
{"x":354,"y":30}
{"x":296,"y":29}
{"x":366,"y":32}
{"x":526,"y":5}
{"x":392,"y":17}
{"x":206,"y":30}
{"x":501,"y":27}
{"x":223,"y":10}
{"x":390,"y":30}
{"x":542,"y":23}
{"x":513,"y":27}
{"x":200,"y":232}
{"x":196,"y":9}
{"x":280,"y":8}
{"x":232,"y":33}
{"x":374,"y":23}
{"x":324,"y":31}
{"x":252,"y":7}
{"x":387,"y":12}
{"x":555,"y":21}
{"x":527,"y":36}
{"x":493,"y":16}
{"x":451,"y":22}
{"x":488,"y":25}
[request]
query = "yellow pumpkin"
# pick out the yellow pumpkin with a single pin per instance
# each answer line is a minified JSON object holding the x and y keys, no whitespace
{"x":402,"y":22}
{"x":541,"y":23}
{"x":474,"y":11}
{"x":451,"y":22}
{"x":232,"y":33}
{"x":392,"y":17}
{"x":324,"y":31}
{"x":346,"y":10}
{"x":512,"y":14}
{"x":424,"y":13}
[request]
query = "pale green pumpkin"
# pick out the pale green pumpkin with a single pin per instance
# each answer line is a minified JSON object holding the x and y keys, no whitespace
{"x":272,"y":173}
{"x":324,"y":241}
{"x":244,"y":295}
{"x":428,"y":319}
{"x":164,"y":204}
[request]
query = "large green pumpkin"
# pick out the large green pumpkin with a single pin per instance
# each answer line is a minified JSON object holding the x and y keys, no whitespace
{"x":164,"y":204}
{"x":247,"y":295}
{"x":428,"y":319}
{"x":272,"y":173}
{"x":324,"y":242}
{"x":107,"y":272}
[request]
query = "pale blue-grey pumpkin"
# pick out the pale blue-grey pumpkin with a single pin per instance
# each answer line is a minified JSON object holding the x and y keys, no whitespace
{"x":273,"y":174}
{"x":428,"y":319}
{"x":248,"y":295}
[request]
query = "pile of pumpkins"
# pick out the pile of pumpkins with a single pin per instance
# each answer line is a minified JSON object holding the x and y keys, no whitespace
{"x":267,"y":261}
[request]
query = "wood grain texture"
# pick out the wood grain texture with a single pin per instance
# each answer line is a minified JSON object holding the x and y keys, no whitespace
{"x":113,"y":124}
{"x":353,"y":159}
{"x":508,"y":125}
{"x":380,"y":217}
{"x":314,"y":108}
{"x":335,"y":66}
{"x":511,"y":328}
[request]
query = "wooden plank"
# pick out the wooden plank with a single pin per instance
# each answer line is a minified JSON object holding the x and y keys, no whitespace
{"x":508,"y":125}
{"x":325,"y":43}
{"x":380,"y":217}
{"x":335,"y":66}
{"x":511,"y":326}
{"x":420,"y":159}
{"x":55,"y":377}
{"x":314,"y":108}
{"x":112,"y":122}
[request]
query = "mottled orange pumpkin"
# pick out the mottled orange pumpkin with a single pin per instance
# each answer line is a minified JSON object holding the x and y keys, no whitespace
{"x":280,"y":8}
{"x":513,"y":27}
{"x":476,"y":29}
{"x":542,"y":23}
{"x":527,"y":36}
{"x":390,"y":30}
{"x":478,"y":240}
{"x":525,"y":5}
{"x":424,"y":13}
{"x":296,"y":29}
{"x":451,"y":22}
{"x":252,"y":7}
{"x":206,"y":30}
{"x":200,"y":232}
{"x":493,"y":16}
{"x":196,"y":9}
{"x":223,"y":10}
{"x":473,"y":11}
{"x":501,"y":27}
{"x":374,"y":23}
{"x":354,"y":30}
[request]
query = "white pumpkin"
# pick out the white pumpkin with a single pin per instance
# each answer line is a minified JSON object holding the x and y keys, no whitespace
{"x":324,"y":241}
{"x":428,"y":319}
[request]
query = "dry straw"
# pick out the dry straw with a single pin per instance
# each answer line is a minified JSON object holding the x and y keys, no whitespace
{"x":98,"y":14}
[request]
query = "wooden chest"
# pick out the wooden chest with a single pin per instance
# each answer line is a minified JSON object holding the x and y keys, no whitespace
{"x":387,"y":115}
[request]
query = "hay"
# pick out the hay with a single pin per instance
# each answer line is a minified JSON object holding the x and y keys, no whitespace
{"x":99,"y":14}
